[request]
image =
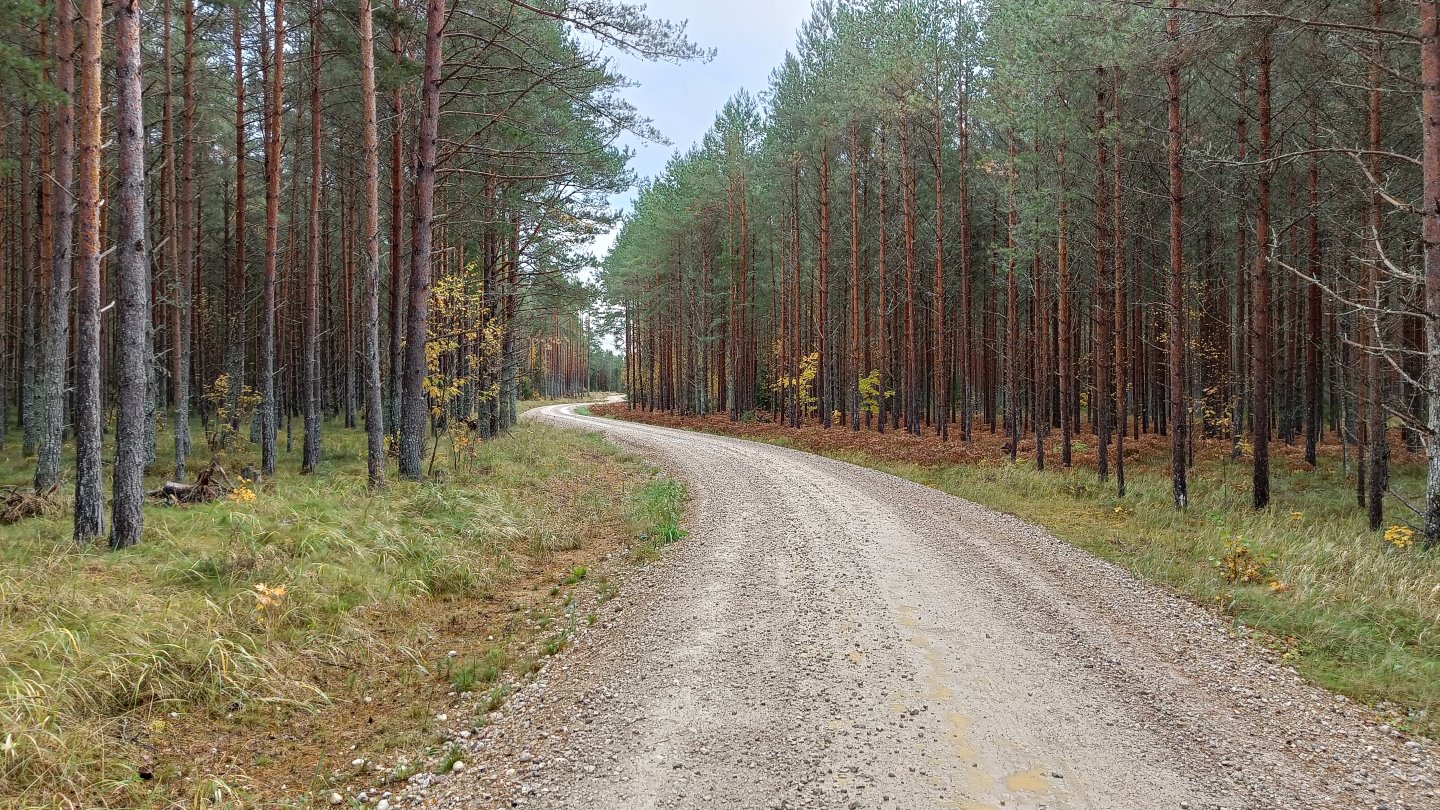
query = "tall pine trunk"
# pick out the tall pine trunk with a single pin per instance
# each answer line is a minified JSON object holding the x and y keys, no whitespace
{"x":235,"y":289}
{"x":1118,"y":312}
{"x":939,"y":371}
{"x":907,"y":191}
{"x":414,"y":411}
{"x":1313,"y":427}
{"x":1063,"y":341}
{"x":822,"y":375}
{"x":374,"y":396}
{"x":89,"y":496}
{"x":266,"y":371}
{"x":311,"y":348}
{"x":188,"y":224}
{"x":1176,"y":325}
{"x":1100,"y":402}
{"x":57,"y":324}
{"x":1378,"y":452}
{"x":852,"y":381}
{"x":397,"y":268}
{"x":962,"y":202}
{"x":1260,"y":317}
{"x":1430,"y":219}
{"x":132,"y":285}
{"x":1012,"y":335}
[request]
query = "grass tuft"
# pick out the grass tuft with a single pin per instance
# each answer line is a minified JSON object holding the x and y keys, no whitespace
{"x":227,"y":607}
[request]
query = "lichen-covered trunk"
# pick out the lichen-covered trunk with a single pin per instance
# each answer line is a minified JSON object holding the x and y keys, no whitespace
{"x":311,"y":455}
{"x":414,"y":412}
{"x":174,"y":271}
{"x":184,"y":335}
{"x":374,"y":396}
{"x":1378,"y":453}
{"x":235,"y":288}
{"x":1430,"y":234}
{"x":132,"y":285}
{"x":266,"y":361}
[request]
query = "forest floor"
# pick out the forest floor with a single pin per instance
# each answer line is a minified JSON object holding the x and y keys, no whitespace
{"x":831,"y":636}
{"x":1349,"y":610}
{"x":314,"y":641}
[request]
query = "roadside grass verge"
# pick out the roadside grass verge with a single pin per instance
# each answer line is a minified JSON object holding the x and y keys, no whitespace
{"x":1349,"y":610}
{"x":243,"y":646}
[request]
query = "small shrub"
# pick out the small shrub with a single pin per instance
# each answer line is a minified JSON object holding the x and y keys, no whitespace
{"x":1241,"y":564}
{"x":464,"y":677}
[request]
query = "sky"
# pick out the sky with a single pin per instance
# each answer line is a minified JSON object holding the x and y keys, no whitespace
{"x":750,"y":38}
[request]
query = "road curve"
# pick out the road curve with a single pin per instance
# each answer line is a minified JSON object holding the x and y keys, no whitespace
{"x":829,"y":636}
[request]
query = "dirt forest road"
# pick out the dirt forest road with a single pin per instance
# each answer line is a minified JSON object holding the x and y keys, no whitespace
{"x":832,"y":637}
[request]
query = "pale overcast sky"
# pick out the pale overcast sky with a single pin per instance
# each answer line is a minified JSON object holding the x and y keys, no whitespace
{"x":750,"y":38}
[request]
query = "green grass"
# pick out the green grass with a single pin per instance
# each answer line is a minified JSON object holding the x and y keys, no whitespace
{"x":465,"y":676}
{"x":659,"y":505}
{"x":98,"y":647}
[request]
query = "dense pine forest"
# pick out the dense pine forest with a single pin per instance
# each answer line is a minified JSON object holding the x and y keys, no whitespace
{"x":1214,"y":221}
{"x":259,"y":217}
{"x":1100,"y":340}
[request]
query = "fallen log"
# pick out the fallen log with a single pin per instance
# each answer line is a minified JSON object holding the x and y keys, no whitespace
{"x":212,"y":484}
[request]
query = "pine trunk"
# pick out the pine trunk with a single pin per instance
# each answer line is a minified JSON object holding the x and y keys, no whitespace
{"x":1260,"y":317}
{"x":374,"y":395}
{"x":266,"y":361}
{"x":89,"y":497}
{"x":310,"y":360}
{"x":1430,"y":219}
{"x":1176,"y":310}
{"x":414,"y":411}
{"x":57,"y":324}
{"x":132,"y":285}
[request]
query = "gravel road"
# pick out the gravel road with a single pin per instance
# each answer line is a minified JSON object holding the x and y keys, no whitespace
{"x":833,"y":637}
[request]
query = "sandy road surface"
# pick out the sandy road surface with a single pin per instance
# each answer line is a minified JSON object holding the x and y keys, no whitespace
{"x":833,"y":637}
